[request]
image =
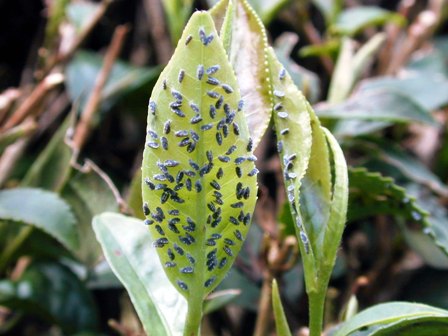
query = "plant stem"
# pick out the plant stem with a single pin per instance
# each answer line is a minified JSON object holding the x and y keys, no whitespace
{"x":316,"y":306}
{"x":264,"y":308}
{"x":194,"y":317}
{"x":23,"y":235}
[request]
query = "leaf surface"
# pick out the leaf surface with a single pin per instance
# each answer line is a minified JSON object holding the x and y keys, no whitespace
{"x":42,"y":209}
{"x":199,"y":178}
{"x":128,"y":249}
{"x":281,"y":323}
{"x":52,"y":292}
{"x":247,"y":54}
{"x":393,"y":315}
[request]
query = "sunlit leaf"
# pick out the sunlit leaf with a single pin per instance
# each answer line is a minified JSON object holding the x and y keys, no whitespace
{"x":42,"y":209}
{"x":199,"y":178}
{"x":281,"y":323}
{"x":247,"y":55}
{"x":351,"y":66}
{"x":53,"y":293}
{"x":294,"y":133}
{"x":396,"y":318}
{"x":129,"y":251}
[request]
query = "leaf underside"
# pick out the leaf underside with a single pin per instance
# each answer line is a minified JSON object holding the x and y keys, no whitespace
{"x":199,"y":177}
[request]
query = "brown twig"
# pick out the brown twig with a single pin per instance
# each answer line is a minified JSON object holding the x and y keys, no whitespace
{"x":84,"y":126}
{"x":9,"y":158}
{"x":280,"y":256}
{"x":30,"y":104}
{"x":89,"y":166}
{"x":7,"y":99}
{"x":160,"y":36}
{"x":418,"y":33}
{"x":63,"y":57}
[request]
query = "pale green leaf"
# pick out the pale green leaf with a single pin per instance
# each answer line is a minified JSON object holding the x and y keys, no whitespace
{"x":42,"y":209}
{"x":394,"y":315}
{"x":248,"y":57}
{"x":294,"y":133}
{"x":281,"y":323}
{"x":339,"y":202}
{"x":343,"y":76}
{"x":351,"y":66}
{"x":353,"y":20}
{"x":129,"y":251}
{"x":199,"y":178}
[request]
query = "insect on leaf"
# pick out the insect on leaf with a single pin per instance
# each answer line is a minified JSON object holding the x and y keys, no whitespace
{"x":199,"y":177}
{"x":294,"y":134}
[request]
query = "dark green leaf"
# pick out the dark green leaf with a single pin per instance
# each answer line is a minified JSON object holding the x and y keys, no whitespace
{"x":54,"y":293}
{"x":88,"y":195}
{"x":42,"y":209}
{"x":128,"y":248}
{"x":55,"y":158}
{"x":123,"y":80}
{"x":383,"y":197}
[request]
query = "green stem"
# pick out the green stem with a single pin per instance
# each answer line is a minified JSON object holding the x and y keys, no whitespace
{"x":194,"y":317}
{"x":14,"y":246}
{"x":316,"y":306}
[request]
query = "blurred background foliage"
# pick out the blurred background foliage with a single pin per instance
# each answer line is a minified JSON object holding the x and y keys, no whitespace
{"x":75,"y":78}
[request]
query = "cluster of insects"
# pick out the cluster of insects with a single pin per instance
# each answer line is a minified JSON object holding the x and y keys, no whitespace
{"x":195,"y":151}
